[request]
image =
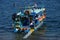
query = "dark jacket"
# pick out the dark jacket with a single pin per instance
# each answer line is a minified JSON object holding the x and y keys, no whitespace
{"x":14,"y":16}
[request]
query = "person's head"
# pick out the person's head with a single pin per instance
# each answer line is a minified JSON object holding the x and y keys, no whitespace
{"x":27,"y":12}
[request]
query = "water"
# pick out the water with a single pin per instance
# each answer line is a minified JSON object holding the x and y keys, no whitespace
{"x":50,"y":29}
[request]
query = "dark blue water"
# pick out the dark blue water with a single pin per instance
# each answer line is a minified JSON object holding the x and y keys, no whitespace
{"x":51,"y":26}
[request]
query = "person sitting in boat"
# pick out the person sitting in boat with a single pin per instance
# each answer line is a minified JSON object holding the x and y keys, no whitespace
{"x":16,"y":17}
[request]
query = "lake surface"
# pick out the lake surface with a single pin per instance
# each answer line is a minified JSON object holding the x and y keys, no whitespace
{"x":50,"y":29}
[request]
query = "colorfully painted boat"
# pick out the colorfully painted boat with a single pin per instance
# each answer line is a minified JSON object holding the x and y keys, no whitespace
{"x":29,"y":21}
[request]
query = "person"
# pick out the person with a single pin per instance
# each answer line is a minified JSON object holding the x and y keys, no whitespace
{"x":16,"y":16}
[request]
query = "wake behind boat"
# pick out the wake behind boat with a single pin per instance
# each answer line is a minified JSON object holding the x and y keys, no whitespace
{"x":29,"y":20}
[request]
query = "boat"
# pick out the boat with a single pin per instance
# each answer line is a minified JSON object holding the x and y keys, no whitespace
{"x":29,"y":20}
